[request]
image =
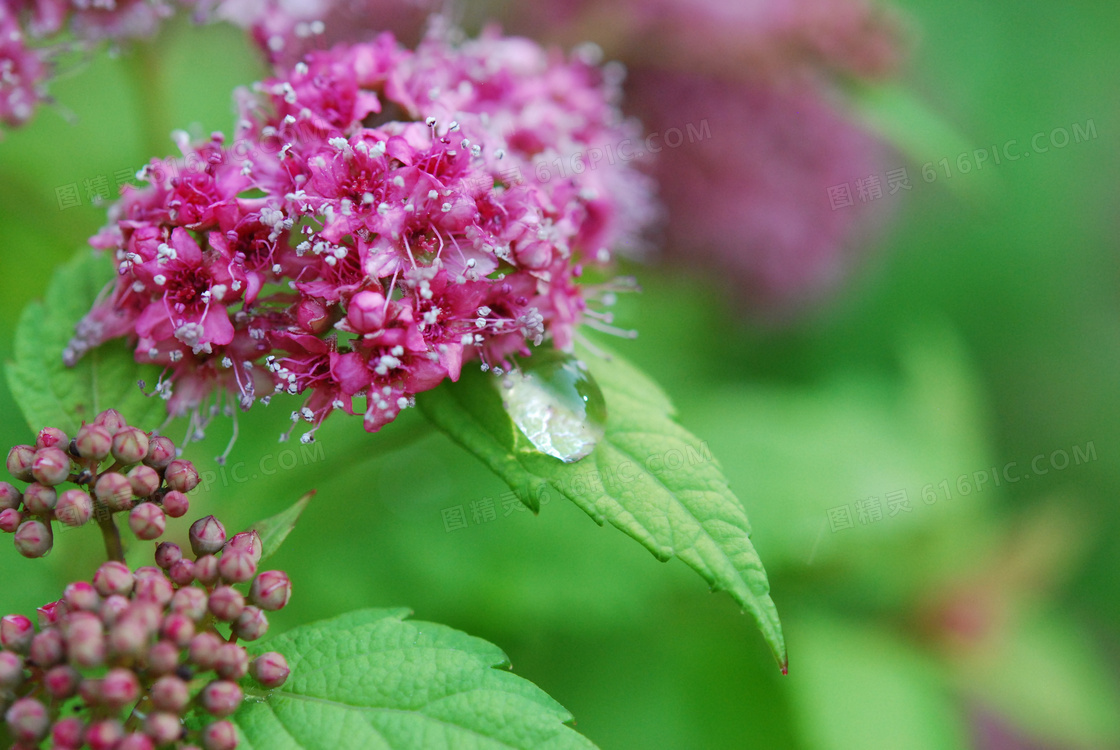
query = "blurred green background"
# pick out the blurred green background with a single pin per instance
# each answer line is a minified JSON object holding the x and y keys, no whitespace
{"x":983,"y":332}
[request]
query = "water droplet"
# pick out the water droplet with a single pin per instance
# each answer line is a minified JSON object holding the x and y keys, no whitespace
{"x":556,"y":404}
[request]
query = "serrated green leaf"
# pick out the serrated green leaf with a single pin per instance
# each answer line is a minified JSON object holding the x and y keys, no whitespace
{"x":648,"y":476}
{"x":274,"y":530}
{"x":369,"y":680}
{"x":48,"y":392}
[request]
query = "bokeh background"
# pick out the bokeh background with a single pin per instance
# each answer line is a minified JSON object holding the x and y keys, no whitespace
{"x":951,"y":348}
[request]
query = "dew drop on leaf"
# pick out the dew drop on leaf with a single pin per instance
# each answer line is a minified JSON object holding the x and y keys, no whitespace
{"x":556,"y":404}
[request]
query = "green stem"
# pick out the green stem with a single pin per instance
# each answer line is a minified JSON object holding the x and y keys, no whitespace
{"x":112,"y":536}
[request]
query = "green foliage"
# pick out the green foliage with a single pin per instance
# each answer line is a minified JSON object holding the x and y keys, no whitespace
{"x":370,"y":679}
{"x":648,"y":476}
{"x":275,"y":529}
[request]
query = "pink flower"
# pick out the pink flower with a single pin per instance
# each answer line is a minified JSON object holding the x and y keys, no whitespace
{"x":22,"y":73}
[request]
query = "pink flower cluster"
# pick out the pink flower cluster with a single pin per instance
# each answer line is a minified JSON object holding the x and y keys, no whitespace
{"x":375,"y":224}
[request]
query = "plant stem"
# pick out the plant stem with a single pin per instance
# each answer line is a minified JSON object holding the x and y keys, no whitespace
{"x":112,"y":536}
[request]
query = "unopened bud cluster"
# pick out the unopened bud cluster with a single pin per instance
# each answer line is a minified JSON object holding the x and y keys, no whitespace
{"x":116,"y":468}
{"x":136,"y":650}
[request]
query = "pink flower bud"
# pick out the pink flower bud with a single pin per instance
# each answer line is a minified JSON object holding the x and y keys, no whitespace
{"x":181,"y":475}
{"x":144,"y":480}
{"x":176,"y":504}
{"x":62,"y":682}
{"x":113,"y":578}
{"x":20,"y":459}
{"x":11,"y":671}
{"x":136,"y":741}
{"x":271,"y":590}
{"x":49,"y":614}
{"x":226,"y":603}
{"x":220,"y":698}
{"x":366,"y":311}
{"x":93,"y":441}
{"x":112,"y":608}
{"x":167,"y":554}
{"x":130,"y":445}
{"x":85,"y":640}
{"x":236,"y":566}
{"x":52,"y":437}
{"x":232,"y":662}
{"x":312,"y":315}
{"x":28,"y":721}
{"x":251,"y":624}
{"x":119,"y":688}
{"x":191,"y":602}
{"x":10,"y":497}
{"x":47,"y":649}
{"x":182,"y":573}
{"x":156,"y":590}
{"x":178,"y":629}
{"x":246,"y":541}
{"x":114,"y":490}
{"x":163,"y":728}
{"x":16,"y":632}
{"x":74,"y":507}
{"x":270,"y":669}
{"x":51,"y":466}
{"x":147,"y":521}
{"x":206,"y":570}
{"x":219,"y":736}
{"x":207,"y":536}
{"x":104,"y":735}
{"x":163,"y":658}
{"x":81,"y":596}
{"x":111,"y":420}
{"x":10,"y":519}
{"x":204,"y":650}
{"x":170,"y":694}
{"x":161,"y":452}
{"x":39,"y":499}
{"x":128,"y":638}
{"x":67,"y":733}
{"x":33,"y":539}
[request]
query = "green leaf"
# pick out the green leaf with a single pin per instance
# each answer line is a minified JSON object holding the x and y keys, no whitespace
{"x":48,"y":392}
{"x":274,"y":530}
{"x":648,"y":477}
{"x":369,"y":680}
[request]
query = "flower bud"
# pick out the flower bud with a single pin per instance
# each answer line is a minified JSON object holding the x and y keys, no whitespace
{"x":237,"y":566}
{"x":114,"y":490}
{"x":271,"y":590}
{"x":93,"y":441}
{"x":16,"y":632}
{"x":206,"y":570}
{"x":112,"y":608}
{"x":47,"y":649}
{"x":147,"y":521}
{"x":270,"y":669}
{"x":11,"y":671}
{"x":104,"y":735}
{"x":10,"y":519}
{"x":226,"y":603}
{"x":85,"y":640}
{"x":67,"y":733}
{"x":28,"y":721}
{"x":52,"y":437}
{"x":111,"y":420}
{"x":20,"y":459}
{"x":251,"y":624}
{"x":49,"y":614}
{"x":204,"y":650}
{"x":163,"y":728}
{"x":161,"y":452}
{"x":156,"y":590}
{"x":39,"y":499}
{"x":113,"y":578}
{"x":62,"y":682}
{"x":181,"y":475}
{"x":136,"y":741}
{"x":128,"y":638}
{"x":144,"y":480}
{"x":182,"y":573}
{"x":247,"y":541}
{"x":51,"y":466}
{"x":232,"y":662}
{"x":167,"y":554}
{"x":130,"y":445}
{"x":170,"y":694}
{"x":220,"y":698}
{"x":219,"y":736}
{"x":190,"y":601}
{"x":207,"y":536}
{"x":163,"y":658}
{"x":176,"y":504}
{"x":312,"y":315}
{"x":119,"y":688}
{"x":178,"y":629}
{"x":33,"y":539}
{"x":81,"y":596}
{"x":366,"y":311}
{"x":74,"y":507}
{"x":10,"y":496}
